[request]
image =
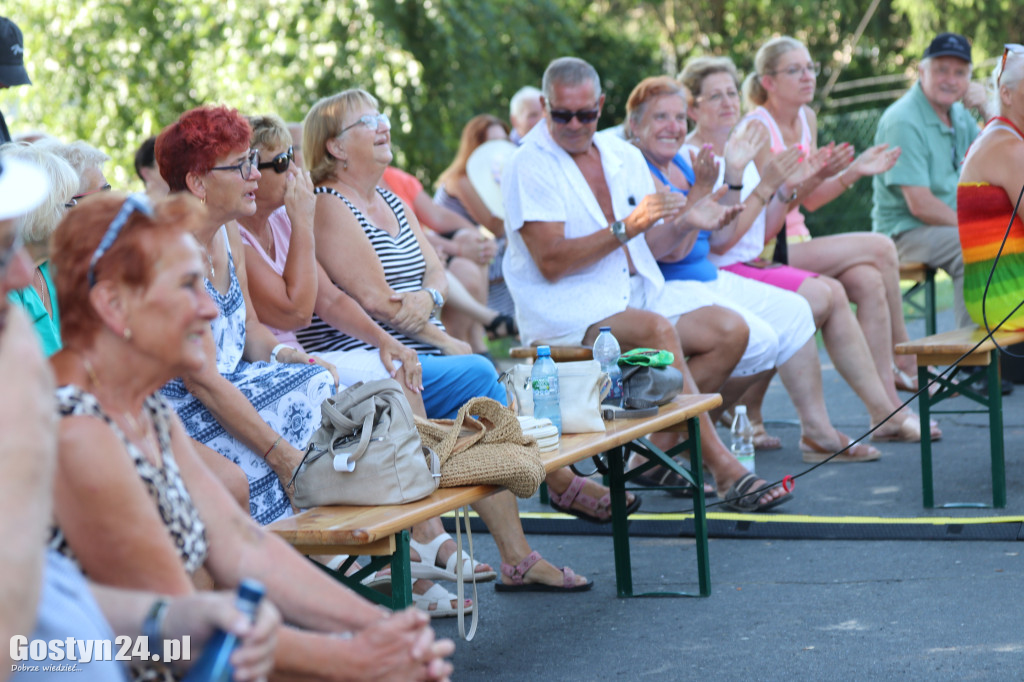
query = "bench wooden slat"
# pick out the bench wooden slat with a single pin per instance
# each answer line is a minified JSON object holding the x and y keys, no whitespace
{"x":913,"y":272}
{"x":558,"y":353}
{"x":943,"y":348}
{"x":355,"y":530}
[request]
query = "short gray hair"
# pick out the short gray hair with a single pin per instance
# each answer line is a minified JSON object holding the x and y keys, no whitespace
{"x":81,"y":155}
{"x":40,"y":223}
{"x":569,"y":71}
{"x":523,"y":95}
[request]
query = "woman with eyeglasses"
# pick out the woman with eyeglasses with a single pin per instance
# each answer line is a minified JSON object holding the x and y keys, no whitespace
{"x":135,"y":507}
{"x":370,"y":244}
{"x":256,"y":401}
{"x":40,"y":299}
{"x":456,"y":193}
{"x":860,"y":266}
{"x":87,"y":162}
{"x":991,"y":183}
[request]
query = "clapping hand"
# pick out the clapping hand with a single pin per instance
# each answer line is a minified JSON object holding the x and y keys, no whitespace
{"x":299,"y":200}
{"x":743,"y":146}
{"x":663,"y":205}
{"x":838,"y":158}
{"x":705,"y":171}
{"x":708,"y":214}
{"x":780,"y":168}
{"x":877,"y":159}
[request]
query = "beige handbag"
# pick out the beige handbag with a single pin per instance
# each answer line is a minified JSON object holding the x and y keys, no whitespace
{"x":581,"y":386}
{"x":489,"y":450}
{"x":366,"y":452}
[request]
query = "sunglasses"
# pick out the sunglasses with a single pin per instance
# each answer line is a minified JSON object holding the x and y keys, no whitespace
{"x":244,"y":167}
{"x":280,"y":162}
{"x":1007,"y":49}
{"x":564,"y":116}
{"x":135,"y":202}
{"x":104,"y":188}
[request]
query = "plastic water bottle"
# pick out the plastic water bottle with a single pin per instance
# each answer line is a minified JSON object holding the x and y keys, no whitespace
{"x":742,"y":437}
{"x":607,"y":351}
{"x":544,"y":380}
{"x":213,"y":664}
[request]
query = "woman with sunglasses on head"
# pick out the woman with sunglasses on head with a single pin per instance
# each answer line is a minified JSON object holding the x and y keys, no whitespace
{"x":256,"y":401}
{"x":135,"y":507}
{"x":990,"y":186}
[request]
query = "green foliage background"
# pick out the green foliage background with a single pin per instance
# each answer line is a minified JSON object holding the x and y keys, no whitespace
{"x":113,"y":72}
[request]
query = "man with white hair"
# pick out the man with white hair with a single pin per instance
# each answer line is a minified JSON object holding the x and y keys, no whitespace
{"x":915,"y":201}
{"x":524,"y":110}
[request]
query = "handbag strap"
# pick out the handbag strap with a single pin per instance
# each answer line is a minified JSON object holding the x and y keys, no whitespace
{"x":463,"y":513}
{"x":362,"y":423}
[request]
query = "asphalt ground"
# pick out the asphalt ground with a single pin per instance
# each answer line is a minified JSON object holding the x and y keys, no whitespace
{"x":896,"y":592}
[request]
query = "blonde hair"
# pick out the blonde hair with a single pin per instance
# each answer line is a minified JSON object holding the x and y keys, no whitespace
{"x":764,"y":64}
{"x":697,"y":69}
{"x":268,"y":131}
{"x":474,"y":134}
{"x":38,"y":225}
{"x":323,"y":122}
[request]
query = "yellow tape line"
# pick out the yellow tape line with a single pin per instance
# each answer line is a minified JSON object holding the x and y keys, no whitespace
{"x":795,"y":518}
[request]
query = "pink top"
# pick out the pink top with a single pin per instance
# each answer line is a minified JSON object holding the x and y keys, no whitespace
{"x":795,"y":224}
{"x":281,"y":230}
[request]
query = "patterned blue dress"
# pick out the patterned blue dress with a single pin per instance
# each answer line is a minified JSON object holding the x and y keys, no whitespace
{"x":287,"y":396}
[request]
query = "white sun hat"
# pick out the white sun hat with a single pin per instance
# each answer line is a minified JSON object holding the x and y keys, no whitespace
{"x":484,"y":172}
{"x":23,"y":186}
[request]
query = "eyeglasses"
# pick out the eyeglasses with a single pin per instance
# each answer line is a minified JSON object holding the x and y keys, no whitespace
{"x":1007,"y":49}
{"x":135,"y":202}
{"x":719,"y":97}
{"x":797,"y":70}
{"x":584,"y":116}
{"x":104,"y":188}
{"x":244,"y":167}
{"x":370,"y":122}
{"x":71,"y":203}
{"x":280,"y":162}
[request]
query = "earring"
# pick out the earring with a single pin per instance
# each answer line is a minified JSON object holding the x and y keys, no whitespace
{"x":344,"y":165}
{"x":202,"y":200}
{"x":127,"y":334}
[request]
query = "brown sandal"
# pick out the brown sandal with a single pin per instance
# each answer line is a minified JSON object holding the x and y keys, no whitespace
{"x":764,"y":440}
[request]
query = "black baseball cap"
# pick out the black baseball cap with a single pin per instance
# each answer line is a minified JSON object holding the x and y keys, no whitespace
{"x":12,"y":50}
{"x":949,"y":45}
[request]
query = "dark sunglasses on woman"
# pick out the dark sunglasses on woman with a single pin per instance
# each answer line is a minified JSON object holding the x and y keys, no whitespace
{"x":280,"y":162}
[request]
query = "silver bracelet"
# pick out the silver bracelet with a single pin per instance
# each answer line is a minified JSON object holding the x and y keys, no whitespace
{"x":153,"y":624}
{"x":277,"y":349}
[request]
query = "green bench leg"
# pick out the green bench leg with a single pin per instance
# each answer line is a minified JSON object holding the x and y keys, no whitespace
{"x":618,"y":477}
{"x":995,"y":431}
{"x":401,"y":573}
{"x":924,"y":403}
{"x":929,"y":302}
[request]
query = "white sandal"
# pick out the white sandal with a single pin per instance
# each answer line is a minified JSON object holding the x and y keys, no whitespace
{"x":427,"y":566}
{"x":441,"y":599}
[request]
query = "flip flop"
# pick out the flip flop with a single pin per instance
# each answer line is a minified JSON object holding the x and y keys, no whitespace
{"x":595,"y":509}
{"x":739,"y":496}
{"x":662,"y":477}
{"x":517,"y":575}
{"x":814,"y":453}
{"x":764,"y":440}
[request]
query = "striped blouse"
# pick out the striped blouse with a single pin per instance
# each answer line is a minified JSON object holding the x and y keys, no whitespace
{"x":404,"y":268}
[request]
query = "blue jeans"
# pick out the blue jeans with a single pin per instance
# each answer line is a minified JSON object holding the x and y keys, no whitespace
{"x":449,"y":381}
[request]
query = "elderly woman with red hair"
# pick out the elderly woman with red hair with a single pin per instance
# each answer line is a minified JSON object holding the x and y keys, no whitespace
{"x":256,"y":401}
{"x":134,"y":504}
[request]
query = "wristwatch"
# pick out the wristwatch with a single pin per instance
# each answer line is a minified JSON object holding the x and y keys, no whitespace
{"x":438,"y":300}
{"x":787,"y":200}
{"x":618,"y":229}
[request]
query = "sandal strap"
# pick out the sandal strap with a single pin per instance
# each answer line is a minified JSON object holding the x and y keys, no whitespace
{"x":428,"y":551}
{"x":574,"y":493}
{"x":568,"y":577}
{"x":518,"y":572}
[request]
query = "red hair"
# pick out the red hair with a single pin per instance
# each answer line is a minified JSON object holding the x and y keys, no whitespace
{"x":130,"y":259}
{"x":194,"y":142}
{"x":474,"y":134}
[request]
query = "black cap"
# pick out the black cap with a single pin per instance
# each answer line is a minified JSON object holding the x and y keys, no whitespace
{"x":12,"y":49}
{"x":949,"y":45}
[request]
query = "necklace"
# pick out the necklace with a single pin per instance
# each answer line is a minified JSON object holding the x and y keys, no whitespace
{"x":140,"y":432}
{"x":209,"y":261}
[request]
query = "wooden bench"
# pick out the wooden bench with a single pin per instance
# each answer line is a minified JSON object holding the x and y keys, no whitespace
{"x":558,"y":353}
{"x":380,"y":533}
{"x":966,"y":348}
{"x":923,"y":278}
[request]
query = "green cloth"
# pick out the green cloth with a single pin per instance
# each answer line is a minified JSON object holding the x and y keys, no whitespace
{"x":647,"y":357}
{"x":47,"y":329}
{"x":931,"y":157}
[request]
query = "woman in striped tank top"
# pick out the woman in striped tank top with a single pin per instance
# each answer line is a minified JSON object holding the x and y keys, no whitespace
{"x":372,"y":247}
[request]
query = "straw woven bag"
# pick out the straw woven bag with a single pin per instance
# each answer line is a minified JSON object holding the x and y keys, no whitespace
{"x":488,"y":450}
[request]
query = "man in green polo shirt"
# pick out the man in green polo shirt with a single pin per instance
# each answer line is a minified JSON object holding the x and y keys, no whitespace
{"x":915,"y":201}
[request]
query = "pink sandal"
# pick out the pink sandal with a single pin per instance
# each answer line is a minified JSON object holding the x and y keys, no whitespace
{"x":595,"y":510}
{"x":517,"y":574}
